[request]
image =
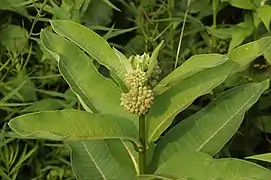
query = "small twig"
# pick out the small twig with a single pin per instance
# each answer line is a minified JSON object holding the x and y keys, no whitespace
{"x":181,"y":36}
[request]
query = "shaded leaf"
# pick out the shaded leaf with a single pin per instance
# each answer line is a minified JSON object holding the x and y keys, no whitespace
{"x":17,"y":6}
{"x":20,"y":88}
{"x":98,"y":13}
{"x":263,"y":123}
{"x":13,"y":37}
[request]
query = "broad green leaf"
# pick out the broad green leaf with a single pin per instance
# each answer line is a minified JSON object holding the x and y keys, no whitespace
{"x":261,"y":157}
{"x":167,"y":105}
{"x":92,"y":43}
{"x":264,"y":13}
{"x":13,"y":37}
{"x":18,"y":6}
{"x":243,"y":4}
{"x":81,"y":82}
{"x":210,"y":129}
{"x":97,"y":160}
{"x":153,"y":60}
{"x":206,"y":168}
{"x":74,"y":125}
{"x":83,"y":78}
{"x":193,"y":65}
{"x":263,"y":123}
{"x":244,"y":54}
{"x":240,"y":32}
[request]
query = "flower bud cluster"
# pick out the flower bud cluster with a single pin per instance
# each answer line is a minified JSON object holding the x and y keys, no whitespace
{"x":138,"y":100}
{"x":140,"y":96}
{"x":135,"y":78}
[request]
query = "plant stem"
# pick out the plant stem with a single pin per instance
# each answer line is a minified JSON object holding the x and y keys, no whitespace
{"x":142,"y":152}
{"x":214,"y":4}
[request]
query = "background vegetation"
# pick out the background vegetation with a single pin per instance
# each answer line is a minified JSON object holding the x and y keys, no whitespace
{"x":30,"y":81}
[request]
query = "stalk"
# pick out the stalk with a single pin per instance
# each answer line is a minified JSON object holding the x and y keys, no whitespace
{"x":214,"y":4}
{"x":142,"y":138}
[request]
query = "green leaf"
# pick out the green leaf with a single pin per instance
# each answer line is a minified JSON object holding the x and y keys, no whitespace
{"x":261,"y":157}
{"x":20,"y":88}
{"x":74,"y":125}
{"x":264,"y":13}
{"x":13,"y":37}
{"x":69,"y":10}
{"x":193,"y":65}
{"x":111,"y":5}
{"x":240,"y":32}
{"x":98,"y":13}
{"x":263,"y":123}
{"x":210,"y":129}
{"x":206,"y":168}
{"x":97,"y":160}
{"x":44,"y":104}
{"x":93,"y":44}
{"x":156,"y":177}
{"x":153,"y":60}
{"x":267,"y":56}
{"x":123,"y":59}
{"x":18,"y":6}
{"x":80,"y":73}
{"x":244,"y":54}
{"x":167,"y":105}
{"x":221,"y":33}
{"x":243,"y":4}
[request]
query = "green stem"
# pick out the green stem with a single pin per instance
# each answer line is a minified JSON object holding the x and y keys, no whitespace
{"x":142,"y":152}
{"x":214,"y":12}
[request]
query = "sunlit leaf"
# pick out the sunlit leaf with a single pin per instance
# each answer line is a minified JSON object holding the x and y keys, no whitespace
{"x":264,"y":13}
{"x":93,"y":44}
{"x":261,"y":157}
{"x":211,"y":128}
{"x":189,"y":68}
{"x":73,"y":125}
{"x":206,"y":168}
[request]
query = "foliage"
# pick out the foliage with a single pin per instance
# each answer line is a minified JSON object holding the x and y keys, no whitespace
{"x":61,"y":59}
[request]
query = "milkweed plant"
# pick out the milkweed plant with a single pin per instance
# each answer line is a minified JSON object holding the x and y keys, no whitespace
{"x":123,"y":132}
